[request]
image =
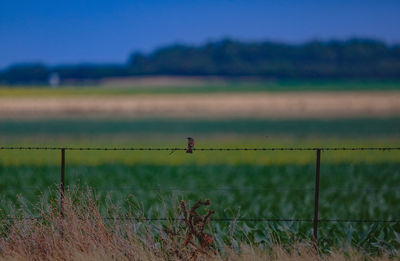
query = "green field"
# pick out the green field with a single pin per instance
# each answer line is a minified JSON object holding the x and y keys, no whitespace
{"x":228,"y":86}
{"x":172,"y":133}
{"x":337,"y":128}
{"x":348,"y":191}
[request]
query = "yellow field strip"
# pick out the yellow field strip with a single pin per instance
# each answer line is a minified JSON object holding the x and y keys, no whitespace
{"x":232,"y":105}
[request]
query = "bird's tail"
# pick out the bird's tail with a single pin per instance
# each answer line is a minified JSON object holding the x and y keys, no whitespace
{"x":189,"y":150}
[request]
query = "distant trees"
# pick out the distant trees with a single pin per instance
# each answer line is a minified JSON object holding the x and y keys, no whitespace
{"x":82,"y":72}
{"x":355,"y":58}
{"x":40,"y":74}
{"x":25,"y":74}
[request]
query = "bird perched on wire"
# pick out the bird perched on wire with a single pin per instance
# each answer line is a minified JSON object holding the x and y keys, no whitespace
{"x":190,"y":145}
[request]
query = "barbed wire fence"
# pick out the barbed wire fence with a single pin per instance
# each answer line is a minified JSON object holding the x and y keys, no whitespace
{"x":315,"y":220}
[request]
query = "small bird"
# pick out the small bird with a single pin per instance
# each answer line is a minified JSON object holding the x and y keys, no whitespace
{"x":190,"y":145}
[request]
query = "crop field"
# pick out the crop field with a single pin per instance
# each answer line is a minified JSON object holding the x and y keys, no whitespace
{"x":254,"y":188}
{"x":241,"y":185}
{"x":301,"y":100}
{"x":347,"y":192}
{"x":216,"y":106}
{"x":188,"y":86}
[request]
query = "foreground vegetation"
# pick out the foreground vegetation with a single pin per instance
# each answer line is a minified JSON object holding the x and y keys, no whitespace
{"x":82,"y":233}
{"x":356,"y":191}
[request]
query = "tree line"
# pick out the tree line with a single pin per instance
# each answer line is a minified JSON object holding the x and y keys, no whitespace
{"x":354,"y":58}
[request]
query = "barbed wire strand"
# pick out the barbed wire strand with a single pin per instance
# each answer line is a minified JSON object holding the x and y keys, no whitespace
{"x":233,"y":219}
{"x":199,"y":189}
{"x":206,"y":149}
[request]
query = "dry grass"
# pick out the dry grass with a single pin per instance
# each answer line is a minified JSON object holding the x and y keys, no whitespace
{"x":219,"y":106}
{"x":83,"y":234}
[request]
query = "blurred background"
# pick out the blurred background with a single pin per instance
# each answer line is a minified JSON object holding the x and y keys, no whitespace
{"x":230,"y":72}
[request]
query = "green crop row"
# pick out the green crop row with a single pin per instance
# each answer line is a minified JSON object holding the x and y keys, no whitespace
{"x":348,"y":191}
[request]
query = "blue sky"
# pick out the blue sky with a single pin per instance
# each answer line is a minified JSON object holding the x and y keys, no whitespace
{"x":100,"y":31}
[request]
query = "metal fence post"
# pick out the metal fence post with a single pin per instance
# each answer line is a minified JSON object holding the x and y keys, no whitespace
{"x":317,"y":172}
{"x":62,"y":185}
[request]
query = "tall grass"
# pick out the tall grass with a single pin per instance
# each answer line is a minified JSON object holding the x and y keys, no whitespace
{"x":84,"y":234}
